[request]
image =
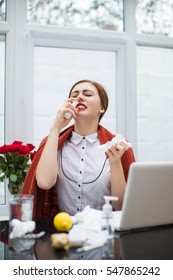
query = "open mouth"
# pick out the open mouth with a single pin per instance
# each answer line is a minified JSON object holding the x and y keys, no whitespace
{"x":81,"y":106}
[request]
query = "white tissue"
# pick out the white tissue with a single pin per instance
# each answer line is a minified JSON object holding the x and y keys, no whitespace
{"x":20,"y":245}
{"x":20,"y":228}
{"x":77,"y":238}
{"x":115,"y":140}
{"x":79,"y":217}
{"x":86,"y":230}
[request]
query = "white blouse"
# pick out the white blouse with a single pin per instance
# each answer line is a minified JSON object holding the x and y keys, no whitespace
{"x":84,"y":178}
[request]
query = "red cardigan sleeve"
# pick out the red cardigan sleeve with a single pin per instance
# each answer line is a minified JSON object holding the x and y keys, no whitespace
{"x":45,"y":201}
{"x":126,"y":161}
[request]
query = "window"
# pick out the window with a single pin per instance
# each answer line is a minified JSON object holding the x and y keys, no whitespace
{"x":2,"y":98}
{"x":69,"y":30}
{"x":2,"y":93}
{"x":154,"y":17}
{"x":2,"y":10}
{"x":56,"y":70}
{"x":97,"y":14}
{"x":155,"y":103}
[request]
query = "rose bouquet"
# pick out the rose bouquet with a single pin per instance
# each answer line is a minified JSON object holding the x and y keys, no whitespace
{"x":14,"y":164}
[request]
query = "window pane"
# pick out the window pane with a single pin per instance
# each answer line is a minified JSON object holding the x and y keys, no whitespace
{"x":103,"y":14}
{"x":2,"y":10}
{"x":2,"y":93}
{"x":155,"y":103}
{"x":2,"y":98}
{"x":56,"y":70}
{"x":155,"y":17}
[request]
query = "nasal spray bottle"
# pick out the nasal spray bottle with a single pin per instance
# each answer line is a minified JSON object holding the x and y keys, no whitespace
{"x":68,"y":115}
{"x":107,"y":216}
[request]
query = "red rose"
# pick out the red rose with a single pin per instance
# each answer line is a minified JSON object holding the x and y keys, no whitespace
{"x":3,"y":149}
{"x":12,"y":148}
{"x":30,"y":146}
{"x":24,"y":150}
{"x":17,"y":143}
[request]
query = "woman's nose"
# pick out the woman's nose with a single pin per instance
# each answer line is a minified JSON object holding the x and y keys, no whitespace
{"x":80,"y":97}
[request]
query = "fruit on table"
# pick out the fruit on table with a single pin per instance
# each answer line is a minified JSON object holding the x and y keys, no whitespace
{"x":60,"y":240}
{"x":62,"y":221}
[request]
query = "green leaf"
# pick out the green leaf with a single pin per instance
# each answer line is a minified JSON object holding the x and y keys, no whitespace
{"x":13,"y":177}
{"x":2,"y":178}
{"x":26,"y":169}
{"x":2,"y":160}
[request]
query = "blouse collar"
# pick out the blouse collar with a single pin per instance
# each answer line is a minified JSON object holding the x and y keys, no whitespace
{"x":76,"y":138}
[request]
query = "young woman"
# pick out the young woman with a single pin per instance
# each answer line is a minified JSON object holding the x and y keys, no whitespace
{"x":67,"y":174}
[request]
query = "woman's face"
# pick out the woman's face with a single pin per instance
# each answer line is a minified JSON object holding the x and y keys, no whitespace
{"x":89,"y":103}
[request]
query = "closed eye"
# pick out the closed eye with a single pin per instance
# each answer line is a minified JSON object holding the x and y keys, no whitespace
{"x":87,"y":94}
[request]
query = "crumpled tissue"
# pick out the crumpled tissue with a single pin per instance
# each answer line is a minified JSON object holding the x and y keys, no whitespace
{"x":115,"y":140}
{"x":19,"y":245}
{"x":86,"y":230}
{"x":20,"y":228}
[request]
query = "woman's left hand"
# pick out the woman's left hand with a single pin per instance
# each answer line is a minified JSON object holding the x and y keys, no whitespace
{"x":116,"y":152}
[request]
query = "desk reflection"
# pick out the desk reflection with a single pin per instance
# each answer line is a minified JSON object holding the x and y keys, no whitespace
{"x":151,"y":244}
{"x":44,"y":251}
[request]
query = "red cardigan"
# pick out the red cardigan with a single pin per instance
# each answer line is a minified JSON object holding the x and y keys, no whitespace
{"x":46,"y":201}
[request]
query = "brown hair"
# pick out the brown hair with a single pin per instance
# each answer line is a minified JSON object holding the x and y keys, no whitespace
{"x":101,"y":91}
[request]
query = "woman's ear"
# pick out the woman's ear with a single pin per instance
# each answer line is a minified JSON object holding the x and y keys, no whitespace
{"x":102,"y":110}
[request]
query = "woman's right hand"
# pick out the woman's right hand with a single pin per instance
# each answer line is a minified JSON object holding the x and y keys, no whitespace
{"x":60,"y":121}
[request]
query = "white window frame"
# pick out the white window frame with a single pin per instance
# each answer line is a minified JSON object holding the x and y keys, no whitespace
{"x":21,"y":38}
{"x":51,"y":36}
{"x":20,"y":41}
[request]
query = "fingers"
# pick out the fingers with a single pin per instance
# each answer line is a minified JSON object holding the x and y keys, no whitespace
{"x":70,"y":101}
{"x":61,"y":120}
{"x":70,"y":108}
{"x":121,"y":147}
{"x":117,"y":151}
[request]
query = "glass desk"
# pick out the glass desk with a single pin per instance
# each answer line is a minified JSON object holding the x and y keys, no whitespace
{"x":148,"y":244}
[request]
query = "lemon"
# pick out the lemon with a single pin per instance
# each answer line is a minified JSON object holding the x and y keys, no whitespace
{"x":62,"y":221}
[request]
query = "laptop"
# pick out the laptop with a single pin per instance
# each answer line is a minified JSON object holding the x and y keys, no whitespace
{"x":148,"y":199}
